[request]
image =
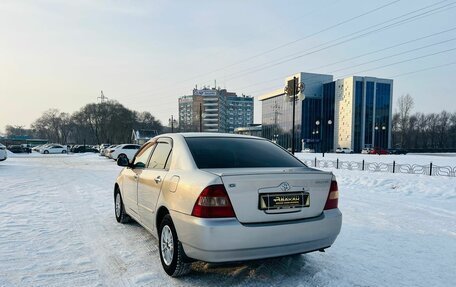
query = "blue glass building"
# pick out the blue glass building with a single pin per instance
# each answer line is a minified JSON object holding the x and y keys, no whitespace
{"x":353,"y":112}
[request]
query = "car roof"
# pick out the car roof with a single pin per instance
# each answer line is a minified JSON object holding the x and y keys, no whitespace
{"x":221,"y":135}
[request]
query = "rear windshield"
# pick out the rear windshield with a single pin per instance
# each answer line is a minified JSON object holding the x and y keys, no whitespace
{"x":220,"y":152}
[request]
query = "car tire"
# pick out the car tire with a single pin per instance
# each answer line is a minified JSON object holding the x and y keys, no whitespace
{"x":64,"y":151}
{"x":119,"y":208}
{"x":46,"y":152}
{"x":172,"y":255}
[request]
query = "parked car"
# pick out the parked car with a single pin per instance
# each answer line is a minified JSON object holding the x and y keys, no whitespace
{"x":397,"y":151}
{"x":109,"y":149}
{"x":224,"y":197}
{"x":53,"y":148}
{"x":124,"y":150}
{"x":378,"y":150}
{"x":366,"y":150}
{"x":19,"y":149}
{"x":42,"y":147}
{"x":3,"y":154}
{"x":102,"y":147}
{"x":38,"y":147}
{"x":81,"y":149}
{"x":344,"y":150}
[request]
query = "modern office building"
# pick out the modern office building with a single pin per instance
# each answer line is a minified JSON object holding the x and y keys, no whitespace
{"x":277,"y":111}
{"x":353,"y":112}
{"x":364,"y":106}
{"x":214,"y":110}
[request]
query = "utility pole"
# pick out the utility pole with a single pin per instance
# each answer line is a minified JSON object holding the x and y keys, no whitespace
{"x":201,"y":117}
{"x":294,"y":112}
{"x":102,"y":97}
{"x":291,"y":92}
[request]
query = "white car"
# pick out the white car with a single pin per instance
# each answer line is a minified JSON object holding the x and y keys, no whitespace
{"x":108,"y":150}
{"x":53,"y":148}
{"x":224,"y":197}
{"x":344,"y":150}
{"x":102,"y":147}
{"x":366,"y":150}
{"x":124,"y":150}
{"x":3,"y":154}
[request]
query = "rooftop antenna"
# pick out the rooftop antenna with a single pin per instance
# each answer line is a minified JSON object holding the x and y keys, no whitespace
{"x":102,"y":97}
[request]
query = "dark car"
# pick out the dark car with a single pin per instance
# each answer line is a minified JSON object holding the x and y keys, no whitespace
{"x":19,"y":149}
{"x":81,"y":149}
{"x":397,"y":151}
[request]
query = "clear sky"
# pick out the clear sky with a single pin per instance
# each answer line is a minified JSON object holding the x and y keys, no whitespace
{"x":145,"y":54}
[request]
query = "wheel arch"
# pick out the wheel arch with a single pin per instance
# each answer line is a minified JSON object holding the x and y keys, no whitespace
{"x":116,"y":190}
{"x":161,"y":212}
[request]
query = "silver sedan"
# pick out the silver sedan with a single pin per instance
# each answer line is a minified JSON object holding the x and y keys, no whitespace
{"x":224,"y":197}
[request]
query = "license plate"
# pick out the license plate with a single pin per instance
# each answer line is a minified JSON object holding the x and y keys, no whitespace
{"x":270,"y":201}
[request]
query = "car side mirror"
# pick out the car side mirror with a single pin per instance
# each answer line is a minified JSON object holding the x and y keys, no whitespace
{"x":123,"y":161}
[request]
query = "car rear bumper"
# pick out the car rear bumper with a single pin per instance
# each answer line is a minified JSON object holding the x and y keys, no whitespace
{"x":225,"y":240}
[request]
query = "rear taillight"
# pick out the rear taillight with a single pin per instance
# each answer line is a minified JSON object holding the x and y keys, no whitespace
{"x":213,"y":202}
{"x":333,"y":196}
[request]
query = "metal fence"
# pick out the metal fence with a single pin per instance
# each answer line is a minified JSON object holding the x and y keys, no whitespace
{"x":393,"y":167}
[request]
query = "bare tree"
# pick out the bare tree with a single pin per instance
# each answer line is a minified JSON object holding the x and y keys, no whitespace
{"x":405,"y":105}
{"x":53,"y":125}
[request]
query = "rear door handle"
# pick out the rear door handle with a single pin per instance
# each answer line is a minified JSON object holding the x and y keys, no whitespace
{"x":158,"y":179}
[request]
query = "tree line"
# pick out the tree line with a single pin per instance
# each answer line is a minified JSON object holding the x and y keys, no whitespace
{"x":422,"y":130}
{"x":95,"y":123}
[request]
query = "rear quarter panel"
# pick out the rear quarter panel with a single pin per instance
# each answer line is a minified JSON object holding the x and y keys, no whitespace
{"x":190,"y":184}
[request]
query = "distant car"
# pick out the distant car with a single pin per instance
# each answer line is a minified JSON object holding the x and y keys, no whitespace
{"x":42,"y":147}
{"x":397,"y":151}
{"x":223,"y":198}
{"x":54,"y":148}
{"x":18,"y":149}
{"x":38,"y":147}
{"x":81,"y":149}
{"x":3,"y":154}
{"x":109,"y":149}
{"x":308,"y":150}
{"x":366,"y":150}
{"x":378,"y":150}
{"x":344,"y":150}
{"x":102,"y":147}
{"x":124,"y":150}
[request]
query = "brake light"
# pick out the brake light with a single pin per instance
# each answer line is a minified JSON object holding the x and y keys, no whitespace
{"x":333,"y":196}
{"x":213,"y":202}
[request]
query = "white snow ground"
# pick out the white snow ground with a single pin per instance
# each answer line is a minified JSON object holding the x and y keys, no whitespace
{"x":57,"y":228}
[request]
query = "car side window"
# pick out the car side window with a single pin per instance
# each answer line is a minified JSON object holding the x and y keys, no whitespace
{"x":160,"y":156}
{"x":143,"y":155}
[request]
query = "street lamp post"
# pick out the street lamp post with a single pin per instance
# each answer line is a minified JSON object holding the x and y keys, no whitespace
{"x":376,"y":135}
{"x":274,"y":138}
{"x":323,"y":139}
{"x":377,"y":129}
{"x":171,"y":122}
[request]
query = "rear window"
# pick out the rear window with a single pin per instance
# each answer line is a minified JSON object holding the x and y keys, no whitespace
{"x":220,"y":152}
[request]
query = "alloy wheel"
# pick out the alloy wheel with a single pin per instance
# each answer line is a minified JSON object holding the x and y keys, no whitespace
{"x":167,"y":245}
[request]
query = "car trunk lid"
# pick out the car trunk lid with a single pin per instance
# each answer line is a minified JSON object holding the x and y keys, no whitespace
{"x":253,"y":192}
